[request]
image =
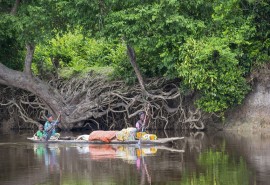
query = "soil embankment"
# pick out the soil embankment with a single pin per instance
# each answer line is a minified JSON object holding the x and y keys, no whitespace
{"x":254,"y":113}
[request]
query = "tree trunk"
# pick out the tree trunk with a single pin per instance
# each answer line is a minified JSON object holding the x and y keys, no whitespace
{"x":132,"y":57}
{"x":32,"y":84}
{"x":15,"y":7}
{"x":28,"y":59}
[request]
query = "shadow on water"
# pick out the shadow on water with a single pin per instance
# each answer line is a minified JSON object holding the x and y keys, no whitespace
{"x":201,"y":158}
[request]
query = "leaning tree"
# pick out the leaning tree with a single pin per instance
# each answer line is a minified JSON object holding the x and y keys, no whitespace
{"x":93,"y":97}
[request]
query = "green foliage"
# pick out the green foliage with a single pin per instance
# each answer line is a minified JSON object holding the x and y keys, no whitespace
{"x":181,"y":38}
{"x":72,"y":53}
{"x":11,"y":50}
{"x":210,"y":67}
{"x":11,"y":54}
{"x":258,"y":51}
{"x":33,"y":22}
{"x":156,"y":30}
{"x":211,"y":44}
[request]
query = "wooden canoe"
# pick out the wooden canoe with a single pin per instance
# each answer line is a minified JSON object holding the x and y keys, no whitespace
{"x":160,"y":141}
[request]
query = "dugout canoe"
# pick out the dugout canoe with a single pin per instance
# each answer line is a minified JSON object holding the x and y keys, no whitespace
{"x":160,"y":141}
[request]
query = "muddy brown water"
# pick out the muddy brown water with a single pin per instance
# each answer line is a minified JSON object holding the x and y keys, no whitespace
{"x":201,"y":158}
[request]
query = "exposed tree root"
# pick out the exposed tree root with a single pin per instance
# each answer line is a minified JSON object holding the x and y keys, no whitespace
{"x":98,"y":103}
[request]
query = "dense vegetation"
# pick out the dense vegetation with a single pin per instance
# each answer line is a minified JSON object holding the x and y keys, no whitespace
{"x":211,"y":45}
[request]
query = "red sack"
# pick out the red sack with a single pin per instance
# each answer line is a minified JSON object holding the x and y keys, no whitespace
{"x":105,"y":136}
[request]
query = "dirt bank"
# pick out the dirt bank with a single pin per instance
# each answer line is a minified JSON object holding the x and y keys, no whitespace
{"x":254,"y":113}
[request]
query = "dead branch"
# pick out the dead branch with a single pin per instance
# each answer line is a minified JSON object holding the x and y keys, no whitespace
{"x":28,"y":59}
{"x":132,"y":57}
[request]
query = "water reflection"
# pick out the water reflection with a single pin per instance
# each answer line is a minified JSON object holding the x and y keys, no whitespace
{"x":214,"y":161}
{"x":254,"y":147}
{"x":97,"y":158}
{"x":100,"y":152}
{"x":49,"y":154}
{"x":142,"y":166}
{"x":217,"y":167}
{"x":202,"y":158}
{"x":131,"y":154}
{"x":195,"y":141}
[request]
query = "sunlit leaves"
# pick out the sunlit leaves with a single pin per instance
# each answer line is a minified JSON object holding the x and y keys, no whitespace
{"x":210,"y":44}
{"x":210,"y":67}
{"x":72,"y":53}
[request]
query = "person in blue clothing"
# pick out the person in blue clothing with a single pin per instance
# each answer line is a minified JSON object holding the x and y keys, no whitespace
{"x":49,"y":127}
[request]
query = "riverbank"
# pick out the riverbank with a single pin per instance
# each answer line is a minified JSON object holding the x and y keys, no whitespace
{"x":254,"y":112}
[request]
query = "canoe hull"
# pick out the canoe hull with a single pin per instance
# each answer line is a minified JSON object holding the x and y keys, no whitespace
{"x":160,"y":141}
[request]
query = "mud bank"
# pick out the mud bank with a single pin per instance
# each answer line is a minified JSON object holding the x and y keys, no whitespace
{"x":254,"y":113}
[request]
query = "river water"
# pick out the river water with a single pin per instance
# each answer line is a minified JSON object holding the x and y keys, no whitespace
{"x":202,"y":158}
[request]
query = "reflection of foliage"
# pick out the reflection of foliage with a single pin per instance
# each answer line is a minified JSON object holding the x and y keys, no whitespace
{"x":79,"y":181}
{"x":219,"y":168}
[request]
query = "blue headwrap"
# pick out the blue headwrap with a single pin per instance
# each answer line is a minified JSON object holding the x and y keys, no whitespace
{"x":49,"y":115}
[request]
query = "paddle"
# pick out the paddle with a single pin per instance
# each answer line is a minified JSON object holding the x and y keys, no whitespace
{"x":143,"y":123}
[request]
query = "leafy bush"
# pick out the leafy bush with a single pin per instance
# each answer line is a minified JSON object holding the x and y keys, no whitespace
{"x":210,"y":67}
{"x":72,"y":53}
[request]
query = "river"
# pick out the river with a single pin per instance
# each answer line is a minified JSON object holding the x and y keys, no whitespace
{"x":203,"y":158}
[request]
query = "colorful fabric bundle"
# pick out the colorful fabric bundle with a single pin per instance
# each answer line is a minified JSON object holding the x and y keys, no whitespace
{"x":127,"y":134}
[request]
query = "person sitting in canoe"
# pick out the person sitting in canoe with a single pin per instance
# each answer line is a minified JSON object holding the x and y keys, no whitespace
{"x":142,"y":122}
{"x":141,"y":125}
{"x":40,"y":133}
{"x":49,"y":127}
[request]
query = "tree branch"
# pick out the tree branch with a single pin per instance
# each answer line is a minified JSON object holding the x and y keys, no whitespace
{"x":45,"y":92}
{"x":12,"y":77}
{"x":132,"y":57}
{"x":15,"y":7}
{"x":28,"y":59}
{"x":3,"y":82}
